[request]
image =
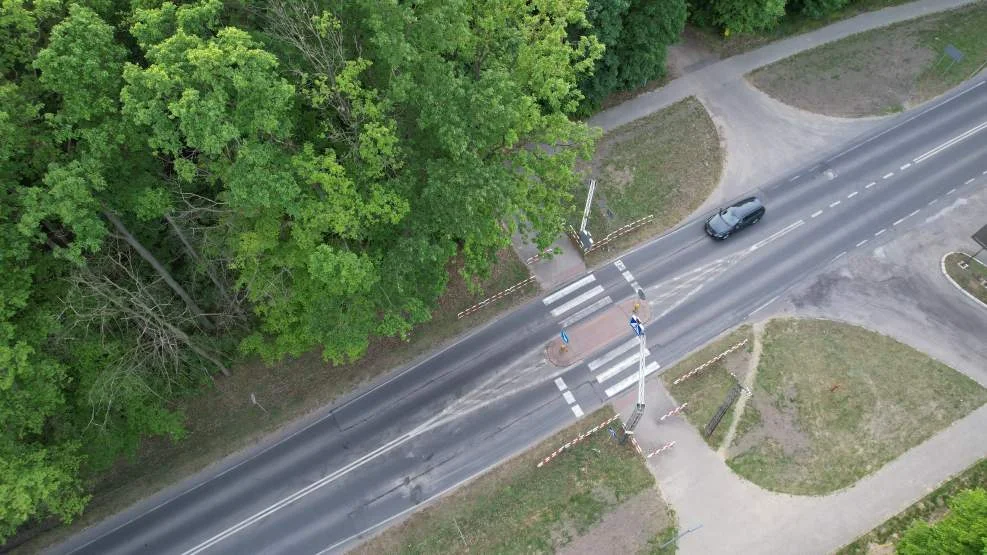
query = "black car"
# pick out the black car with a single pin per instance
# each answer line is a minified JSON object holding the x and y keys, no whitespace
{"x":735,"y":217}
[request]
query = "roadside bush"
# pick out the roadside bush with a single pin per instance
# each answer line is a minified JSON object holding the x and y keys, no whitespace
{"x":816,"y":8}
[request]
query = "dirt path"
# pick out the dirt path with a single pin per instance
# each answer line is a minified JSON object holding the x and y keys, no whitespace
{"x":738,"y":409}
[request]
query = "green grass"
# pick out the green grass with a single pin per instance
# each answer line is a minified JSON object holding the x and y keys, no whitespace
{"x":665,"y":164}
{"x":858,"y":400}
{"x":706,"y":390}
{"x":881,"y":71}
{"x":222,"y":420}
{"x":661,"y":538}
{"x":519,"y":508}
{"x":966,"y":29}
{"x":790,"y":25}
{"x":968,"y":278}
{"x":926,"y":509}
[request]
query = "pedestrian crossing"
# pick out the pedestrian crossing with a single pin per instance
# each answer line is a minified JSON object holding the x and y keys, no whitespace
{"x":623,"y":362}
{"x":584,"y":294}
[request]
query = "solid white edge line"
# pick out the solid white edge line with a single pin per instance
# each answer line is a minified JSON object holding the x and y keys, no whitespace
{"x":568,"y":289}
{"x":563,"y":308}
{"x":909,"y":120}
{"x":773,"y":299}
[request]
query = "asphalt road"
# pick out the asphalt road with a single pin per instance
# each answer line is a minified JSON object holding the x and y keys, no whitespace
{"x":491,"y":395}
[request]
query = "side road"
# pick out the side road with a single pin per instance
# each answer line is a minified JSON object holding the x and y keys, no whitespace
{"x":727,"y":72}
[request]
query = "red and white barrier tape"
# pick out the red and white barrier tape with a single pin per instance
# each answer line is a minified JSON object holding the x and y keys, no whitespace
{"x":500,"y":295}
{"x":636,"y":446}
{"x":674,"y":411}
{"x":709,"y":362}
{"x":660,"y":449}
{"x":579,"y":438}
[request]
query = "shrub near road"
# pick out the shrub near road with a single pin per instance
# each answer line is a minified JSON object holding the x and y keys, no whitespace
{"x":837,"y":402}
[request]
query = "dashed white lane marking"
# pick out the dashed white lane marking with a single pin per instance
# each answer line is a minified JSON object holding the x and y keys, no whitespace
{"x":951,"y":191}
{"x":560,"y":383}
{"x":584,"y":312}
{"x":906,"y":166}
{"x":568,"y":289}
{"x":933,"y":201}
{"x":896,"y":222}
{"x":880,"y":232}
{"x":862,"y":243}
{"x":794,"y":178}
{"x":985,"y":172}
{"x":631,"y":380}
{"x":620,"y":265}
{"x":627,"y":275}
{"x":832,"y":204}
{"x":577,"y":411}
{"x":871,"y":184}
{"x":816,"y":213}
{"x":851,"y":195}
{"x":912,"y":214}
{"x":567,"y":395}
{"x":950,"y":142}
{"x":839,"y":255}
{"x":612,"y":354}
{"x":887,"y":175}
{"x":619,"y":367}
{"x":577,"y":301}
{"x":968,"y":181}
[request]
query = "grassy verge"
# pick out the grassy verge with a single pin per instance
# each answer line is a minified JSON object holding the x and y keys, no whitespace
{"x":929,"y":508}
{"x":665,"y":164}
{"x":223,"y":420}
{"x":883,"y":70}
{"x":790,"y":25}
{"x":662,"y":539}
{"x":843,"y":402}
{"x":706,"y":390}
{"x":519,"y":508}
{"x":969,"y":278}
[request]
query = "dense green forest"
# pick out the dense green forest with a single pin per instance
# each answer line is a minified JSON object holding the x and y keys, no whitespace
{"x":186,"y":184}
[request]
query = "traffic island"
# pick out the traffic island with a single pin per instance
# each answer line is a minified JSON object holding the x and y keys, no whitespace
{"x":595,"y":333}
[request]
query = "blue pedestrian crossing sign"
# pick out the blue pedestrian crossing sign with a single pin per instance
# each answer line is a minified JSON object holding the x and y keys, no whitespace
{"x":565,"y":337}
{"x":636,"y":326}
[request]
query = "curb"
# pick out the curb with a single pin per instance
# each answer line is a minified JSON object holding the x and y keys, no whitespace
{"x":942,"y":265}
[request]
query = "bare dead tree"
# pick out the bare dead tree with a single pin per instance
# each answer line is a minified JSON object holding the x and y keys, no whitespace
{"x":124,"y":233}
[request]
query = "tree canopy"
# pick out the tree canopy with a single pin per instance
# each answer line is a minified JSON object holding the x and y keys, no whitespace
{"x":183,"y":184}
{"x":962,"y":530}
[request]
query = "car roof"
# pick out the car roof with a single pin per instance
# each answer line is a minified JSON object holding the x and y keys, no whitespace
{"x":747,"y":205}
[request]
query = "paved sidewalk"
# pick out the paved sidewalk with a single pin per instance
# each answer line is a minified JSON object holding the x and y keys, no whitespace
{"x":727,"y":72}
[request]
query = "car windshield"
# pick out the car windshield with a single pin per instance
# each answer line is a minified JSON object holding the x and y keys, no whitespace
{"x":729,"y":216}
